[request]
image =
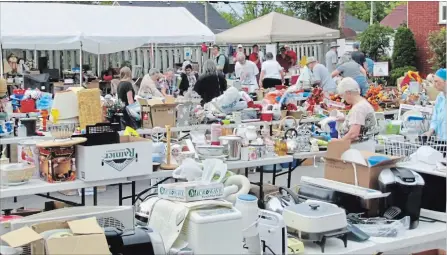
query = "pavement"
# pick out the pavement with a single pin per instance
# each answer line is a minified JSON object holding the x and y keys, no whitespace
{"x":110,"y":196}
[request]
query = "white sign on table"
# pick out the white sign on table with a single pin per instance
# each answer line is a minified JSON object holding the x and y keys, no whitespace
{"x":380,"y":69}
{"x":187,"y":53}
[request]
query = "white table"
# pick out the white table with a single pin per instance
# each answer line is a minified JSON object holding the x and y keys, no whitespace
{"x":426,"y":236}
{"x":335,"y":246}
{"x":16,"y":140}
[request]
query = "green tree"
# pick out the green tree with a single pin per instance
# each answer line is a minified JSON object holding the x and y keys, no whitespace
{"x":437,"y":46}
{"x":375,"y":40}
{"x":362,"y":10}
{"x":404,"y":52}
{"x":322,"y":13}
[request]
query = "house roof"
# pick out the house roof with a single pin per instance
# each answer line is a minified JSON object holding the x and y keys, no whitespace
{"x":396,"y":17}
{"x":216,"y":22}
{"x":355,"y":24}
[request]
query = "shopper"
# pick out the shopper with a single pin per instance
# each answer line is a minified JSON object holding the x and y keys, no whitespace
{"x":148,"y":87}
{"x":240,"y":49}
{"x":358,"y":56}
{"x":439,"y":119}
{"x":360,"y":123}
{"x":256,"y":56}
{"x":126,"y":94}
{"x":188,"y":79}
{"x":284,"y":60}
{"x":291,"y":54}
{"x":349,"y":68}
{"x":220,"y":59}
{"x":246,"y":71}
{"x":211,"y":83}
{"x":271,"y":73}
{"x":321,"y":76}
{"x":331,"y":57}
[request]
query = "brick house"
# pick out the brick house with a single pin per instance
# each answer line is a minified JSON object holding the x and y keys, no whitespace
{"x":424,"y":17}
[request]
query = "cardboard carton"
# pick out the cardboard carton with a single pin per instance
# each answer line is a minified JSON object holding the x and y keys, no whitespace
{"x":88,"y":238}
{"x":156,"y":113}
{"x":129,"y":158}
{"x":338,"y":170}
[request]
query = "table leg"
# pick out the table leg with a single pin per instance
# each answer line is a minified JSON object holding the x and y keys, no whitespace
{"x":83,"y":197}
{"x":261,"y":185}
{"x":274,"y":174}
{"x":15,"y":199}
{"x":120,"y":194}
{"x":289,"y":175}
{"x":246,"y":172}
{"x":95,"y":196}
{"x":133,"y":192}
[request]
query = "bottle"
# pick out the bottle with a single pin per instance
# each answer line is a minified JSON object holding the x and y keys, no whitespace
{"x":216,"y":132}
{"x":21,"y":130}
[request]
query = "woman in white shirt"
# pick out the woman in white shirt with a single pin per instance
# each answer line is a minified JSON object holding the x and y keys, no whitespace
{"x":246,"y":71}
{"x":271,"y":73}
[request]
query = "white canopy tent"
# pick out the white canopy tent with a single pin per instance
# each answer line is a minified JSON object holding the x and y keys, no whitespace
{"x":275,"y":27}
{"x":95,"y":28}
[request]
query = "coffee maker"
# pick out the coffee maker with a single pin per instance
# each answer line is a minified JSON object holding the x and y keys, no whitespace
{"x":406,"y":193}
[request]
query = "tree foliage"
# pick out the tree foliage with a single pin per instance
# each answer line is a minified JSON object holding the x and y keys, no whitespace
{"x":375,"y":40}
{"x":437,"y":46}
{"x":324,"y":13}
{"x":404,"y":52}
{"x":362,"y":10}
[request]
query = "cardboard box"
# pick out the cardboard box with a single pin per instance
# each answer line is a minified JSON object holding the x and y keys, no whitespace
{"x":131,"y":157}
{"x":88,"y":238}
{"x":338,"y":170}
{"x":190,"y":191}
{"x":156,"y":113}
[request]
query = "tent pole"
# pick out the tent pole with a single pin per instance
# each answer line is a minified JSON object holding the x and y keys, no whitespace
{"x":1,"y":61}
{"x":35,"y":57}
{"x":152,"y":56}
{"x":98,"y":69}
{"x":80,"y":67}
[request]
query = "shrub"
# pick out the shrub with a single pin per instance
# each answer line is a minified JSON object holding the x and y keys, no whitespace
{"x":404,"y":52}
{"x":437,"y":45}
{"x":375,"y":40}
{"x":396,"y":73}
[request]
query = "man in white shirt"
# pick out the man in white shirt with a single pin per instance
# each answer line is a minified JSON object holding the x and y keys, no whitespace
{"x":321,"y":76}
{"x":331,"y":57}
{"x":246,"y":72}
{"x":272,"y":73}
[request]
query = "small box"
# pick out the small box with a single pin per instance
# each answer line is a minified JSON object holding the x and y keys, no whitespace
{"x":190,"y":191}
{"x":156,"y":113}
{"x":131,"y":157}
{"x":338,"y":170}
{"x":88,"y":238}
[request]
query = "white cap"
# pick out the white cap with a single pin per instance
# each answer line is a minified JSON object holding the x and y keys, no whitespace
{"x":239,"y":45}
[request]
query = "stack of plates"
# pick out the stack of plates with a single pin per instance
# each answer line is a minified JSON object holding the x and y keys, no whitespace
{"x":203,"y":157}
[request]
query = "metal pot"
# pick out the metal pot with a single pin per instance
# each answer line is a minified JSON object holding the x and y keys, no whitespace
{"x":232,"y":146}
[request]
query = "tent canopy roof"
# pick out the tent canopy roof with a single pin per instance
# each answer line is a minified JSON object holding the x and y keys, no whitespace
{"x":101,"y":29}
{"x":275,"y":27}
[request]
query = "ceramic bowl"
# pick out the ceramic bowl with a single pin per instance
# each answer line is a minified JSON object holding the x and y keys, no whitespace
{"x":18,"y":172}
{"x":210,"y":150}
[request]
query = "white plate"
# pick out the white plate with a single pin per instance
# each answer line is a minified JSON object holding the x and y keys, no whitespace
{"x":17,"y":183}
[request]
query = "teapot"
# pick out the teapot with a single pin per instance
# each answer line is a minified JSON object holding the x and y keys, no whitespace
{"x":291,"y":140}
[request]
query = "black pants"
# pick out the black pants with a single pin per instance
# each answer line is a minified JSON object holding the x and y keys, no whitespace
{"x":270,"y":82}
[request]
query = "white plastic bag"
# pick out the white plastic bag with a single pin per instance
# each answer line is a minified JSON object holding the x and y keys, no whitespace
{"x":134,"y":110}
{"x":189,"y":170}
{"x":227,"y":100}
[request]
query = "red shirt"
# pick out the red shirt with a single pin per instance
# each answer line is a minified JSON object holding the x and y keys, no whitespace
{"x":284,"y":62}
{"x":292,"y":55}
{"x":253,"y":57}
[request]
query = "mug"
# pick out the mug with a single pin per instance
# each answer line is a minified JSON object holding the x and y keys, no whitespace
{"x":237,"y":117}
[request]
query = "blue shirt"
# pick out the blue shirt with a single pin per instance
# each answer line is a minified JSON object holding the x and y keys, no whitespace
{"x":438,"y":119}
{"x":370,"y":63}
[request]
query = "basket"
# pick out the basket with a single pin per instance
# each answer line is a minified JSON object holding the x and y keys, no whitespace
{"x":279,"y":132}
{"x":403,"y":147}
{"x":62,"y":130}
{"x":19,"y":172}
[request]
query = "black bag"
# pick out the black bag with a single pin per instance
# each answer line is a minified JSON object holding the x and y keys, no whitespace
{"x":227,"y":63}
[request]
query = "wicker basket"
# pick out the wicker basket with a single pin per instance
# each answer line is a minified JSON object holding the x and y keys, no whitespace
{"x":279,"y":132}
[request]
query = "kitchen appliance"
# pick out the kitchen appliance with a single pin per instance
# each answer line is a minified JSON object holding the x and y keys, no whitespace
{"x":316,"y":221}
{"x":138,"y":241}
{"x":273,"y":233}
{"x":232,"y":146}
{"x":248,"y":206}
{"x":30,"y":124}
{"x":215,"y":230}
{"x":406,"y":192}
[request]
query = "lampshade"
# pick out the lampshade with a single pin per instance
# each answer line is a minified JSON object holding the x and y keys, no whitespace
{"x":67,"y":104}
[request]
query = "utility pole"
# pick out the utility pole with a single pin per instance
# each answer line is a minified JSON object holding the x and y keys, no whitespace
{"x":206,"y":13}
{"x":341,"y":15}
{"x":371,"y":15}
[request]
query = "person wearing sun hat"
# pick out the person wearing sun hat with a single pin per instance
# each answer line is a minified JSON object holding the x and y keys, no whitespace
{"x":438,"y":122}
